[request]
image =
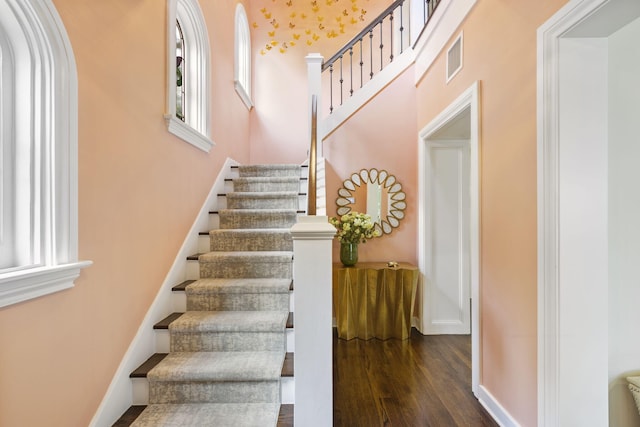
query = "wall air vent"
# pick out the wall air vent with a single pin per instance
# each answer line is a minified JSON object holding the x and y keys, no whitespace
{"x":454,"y":58}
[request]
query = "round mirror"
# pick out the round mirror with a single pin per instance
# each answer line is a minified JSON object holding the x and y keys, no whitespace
{"x":376,"y":193}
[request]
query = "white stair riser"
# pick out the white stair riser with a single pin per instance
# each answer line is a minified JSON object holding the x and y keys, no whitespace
{"x":204,"y":243}
{"x":290,"y":339}
{"x":179,"y":302}
{"x":287,"y":390}
{"x":163,"y":341}
{"x":193,"y":270}
{"x":214,"y":221}
{"x":140,"y":391}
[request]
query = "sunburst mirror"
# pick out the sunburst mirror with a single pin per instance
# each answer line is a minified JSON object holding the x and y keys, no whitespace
{"x":376,"y":193}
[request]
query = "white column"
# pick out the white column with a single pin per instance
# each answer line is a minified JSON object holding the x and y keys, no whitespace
{"x":313,"y":363}
{"x":314,"y":75}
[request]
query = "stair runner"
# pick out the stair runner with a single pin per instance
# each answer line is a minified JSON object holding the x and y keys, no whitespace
{"x":227,"y":350}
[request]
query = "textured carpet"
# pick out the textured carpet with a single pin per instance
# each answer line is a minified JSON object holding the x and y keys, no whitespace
{"x":209,"y":415}
{"x":227,"y":350}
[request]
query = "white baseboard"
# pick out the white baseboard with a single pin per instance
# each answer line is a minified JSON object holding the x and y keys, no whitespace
{"x":119,"y":395}
{"x":495,"y":409}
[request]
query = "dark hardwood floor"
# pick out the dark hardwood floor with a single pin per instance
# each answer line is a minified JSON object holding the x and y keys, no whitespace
{"x":422,"y":381}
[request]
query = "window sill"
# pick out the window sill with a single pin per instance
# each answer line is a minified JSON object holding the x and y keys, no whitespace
{"x":188,"y":134}
{"x":22,"y":285}
{"x":244,"y":96}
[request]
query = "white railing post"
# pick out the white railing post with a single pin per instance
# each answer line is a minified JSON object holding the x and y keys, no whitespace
{"x":314,"y":75}
{"x":313,"y":363}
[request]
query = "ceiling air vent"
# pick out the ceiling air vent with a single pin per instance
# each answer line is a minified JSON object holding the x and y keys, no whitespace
{"x":454,"y":58}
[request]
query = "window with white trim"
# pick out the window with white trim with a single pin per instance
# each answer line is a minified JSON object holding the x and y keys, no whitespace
{"x":38,"y":153}
{"x":243,"y":56}
{"x":188,"y":74}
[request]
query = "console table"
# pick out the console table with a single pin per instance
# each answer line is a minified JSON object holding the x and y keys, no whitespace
{"x":373,"y":300}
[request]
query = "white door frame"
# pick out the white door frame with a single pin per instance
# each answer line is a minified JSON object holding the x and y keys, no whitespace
{"x":563,"y":363}
{"x":467,"y":100}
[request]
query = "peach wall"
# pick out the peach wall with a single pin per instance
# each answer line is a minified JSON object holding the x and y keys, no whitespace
{"x":140,"y":189}
{"x":381,"y":135}
{"x":279,"y":124}
{"x":280,"y":132}
{"x":500,"y":52}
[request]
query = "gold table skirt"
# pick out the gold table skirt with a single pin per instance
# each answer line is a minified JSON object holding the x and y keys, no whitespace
{"x":372,"y":300}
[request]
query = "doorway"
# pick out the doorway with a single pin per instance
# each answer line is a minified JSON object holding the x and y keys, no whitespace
{"x":588,"y":205}
{"x":449,"y":224}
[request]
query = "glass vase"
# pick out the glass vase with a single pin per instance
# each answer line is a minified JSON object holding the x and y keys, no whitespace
{"x":348,"y":254}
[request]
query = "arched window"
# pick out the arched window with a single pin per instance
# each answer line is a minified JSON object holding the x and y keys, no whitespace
{"x":180,"y":67}
{"x":188,"y":74}
{"x":38,"y":151}
{"x":243,"y":56}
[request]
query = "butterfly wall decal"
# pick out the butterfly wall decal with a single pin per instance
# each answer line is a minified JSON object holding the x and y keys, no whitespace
{"x":300,"y":16}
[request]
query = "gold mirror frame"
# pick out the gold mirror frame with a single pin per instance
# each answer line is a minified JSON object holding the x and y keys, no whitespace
{"x":395,"y":199}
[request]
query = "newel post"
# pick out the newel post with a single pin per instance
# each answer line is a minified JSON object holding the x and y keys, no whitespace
{"x":312,"y":276}
{"x":314,"y":77}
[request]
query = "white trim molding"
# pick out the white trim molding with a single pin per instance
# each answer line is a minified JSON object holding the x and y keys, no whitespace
{"x":196,"y":129}
{"x":495,"y":409}
{"x":50,"y":118}
{"x":445,"y":21}
{"x":469,"y":99}
{"x":572,"y":132}
{"x":32,"y":283}
{"x":242,"y":82}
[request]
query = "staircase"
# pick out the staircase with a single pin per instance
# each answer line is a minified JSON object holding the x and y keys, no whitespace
{"x":230,"y":359}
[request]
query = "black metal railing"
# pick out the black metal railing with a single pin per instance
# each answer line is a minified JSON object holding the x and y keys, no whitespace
{"x":375,"y":47}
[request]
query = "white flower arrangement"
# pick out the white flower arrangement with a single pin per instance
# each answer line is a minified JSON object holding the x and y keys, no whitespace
{"x":354,"y":227}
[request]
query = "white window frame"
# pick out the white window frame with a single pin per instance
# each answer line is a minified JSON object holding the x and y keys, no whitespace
{"x":242,"y":79}
{"x":196,"y":129}
{"x":47,"y":115}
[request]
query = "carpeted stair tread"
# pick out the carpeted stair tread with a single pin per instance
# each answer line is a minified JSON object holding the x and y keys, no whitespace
{"x":209,"y":414}
{"x":262,"y":194}
{"x":229,"y":331}
{"x":250,"y":184}
{"x":257,"y":218}
{"x":236,"y":294}
{"x":230,"y":321}
{"x":249,"y":231}
{"x":226,"y":366}
{"x":227,"y":351}
{"x":263,"y":179}
{"x":264,"y":239}
{"x":269,"y":170}
{"x":256,"y":264}
{"x":263,"y":200}
{"x":226,"y":286}
{"x":244,"y":256}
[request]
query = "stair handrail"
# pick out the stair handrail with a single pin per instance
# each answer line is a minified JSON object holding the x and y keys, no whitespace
{"x":362,"y":33}
{"x":345,"y":61}
{"x":313,"y":154}
{"x":347,"y":82}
